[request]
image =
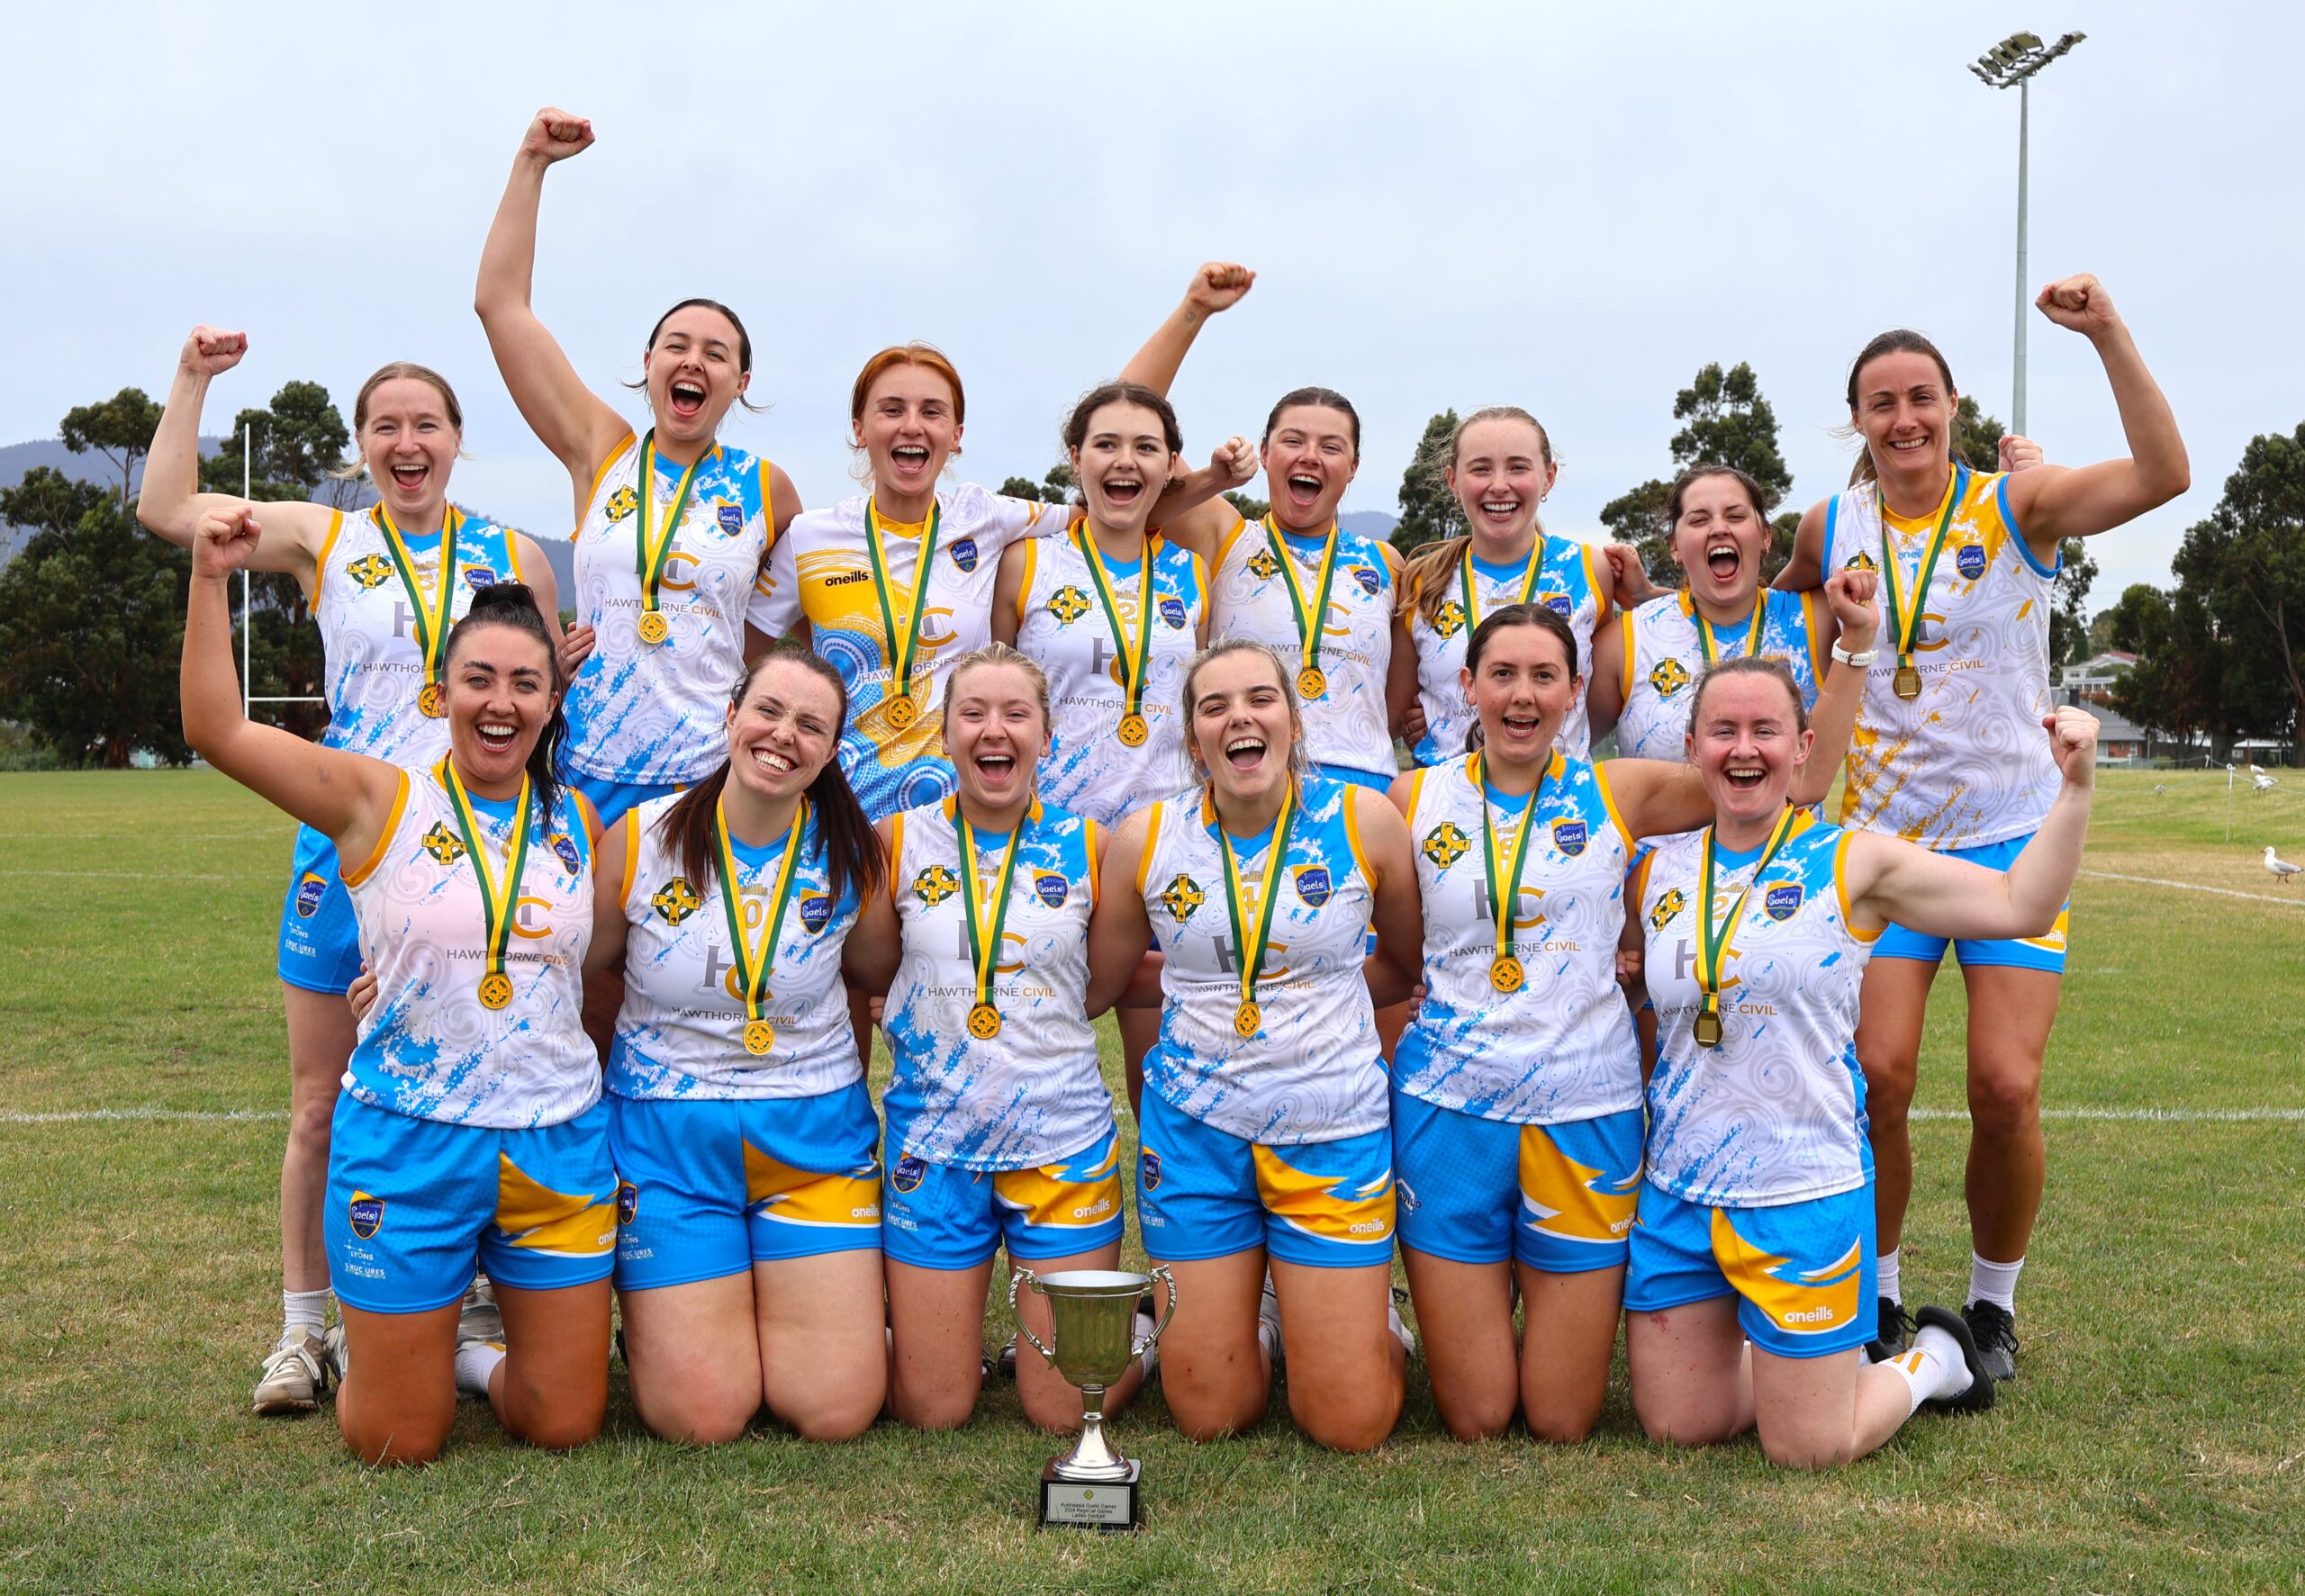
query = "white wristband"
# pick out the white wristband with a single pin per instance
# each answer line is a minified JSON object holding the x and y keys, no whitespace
{"x":1859,"y":660}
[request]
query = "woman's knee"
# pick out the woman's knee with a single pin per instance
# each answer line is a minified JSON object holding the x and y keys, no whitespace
{"x":1356,"y":1418}
{"x":561,"y":1426}
{"x":702,"y":1419}
{"x":2005,"y":1094}
{"x":395,"y":1439}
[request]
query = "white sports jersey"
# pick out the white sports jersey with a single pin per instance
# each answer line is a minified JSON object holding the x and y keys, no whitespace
{"x":429,"y":1049}
{"x":1062,"y":624}
{"x":1347,"y":724}
{"x":821,"y":571}
{"x":1032,"y":1095}
{"x":1569,"y":584}
{"x":1776,"y":1112}
{"x":375,"y":667}
{"x":1311,"y":1072}
{"x":1664,"y":657}
{"x":652,"y":713}
{"x":1561,"y":1047}
{"x":681,"y":1032}
{"x":1966,"y":762}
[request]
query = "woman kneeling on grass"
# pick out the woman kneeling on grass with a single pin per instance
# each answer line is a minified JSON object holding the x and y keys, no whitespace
{"x":471,"y":1130}
{"x":1751,"y":1287}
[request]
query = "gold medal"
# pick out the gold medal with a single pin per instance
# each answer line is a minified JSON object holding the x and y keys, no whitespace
{"x":430,"y":616}
{"x":903,"y":644}
{"x":653,"y":627}
{"x":432,"y":702}
{"x":1505,"y":868}
{"x":1135,"y":652}
{"x":984,"y":1022}
{"x":1312,"y":614}
{"x":1713,"y":941}
{"x":1132,"y":731}
{"x":751,"y":963}
{"x":1905,"y":604}
{"x":759,"y":1037}
{"x":650,"y":554}
{"x":1247,"y":1020}
{"x":1252,"y":932}
{"x":500,"y":895}
{"x":986,"y":914}
{"x":1311,"y":682}
{"x":1706,"y":1028}
{"x":495,"y":989}
{"x":901,"y":711}
{"x":1906,"y":682}
{"x":1505,"y":975}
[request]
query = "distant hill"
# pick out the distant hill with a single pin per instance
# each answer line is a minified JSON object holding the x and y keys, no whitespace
{"x":1369,"y":523}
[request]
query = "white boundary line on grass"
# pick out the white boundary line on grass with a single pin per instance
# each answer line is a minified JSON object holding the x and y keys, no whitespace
{"x":2236,"y":1116}
{"x":2294,"y":903}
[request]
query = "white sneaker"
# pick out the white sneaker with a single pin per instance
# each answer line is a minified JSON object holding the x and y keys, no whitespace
{"x":296,"y":1373}
{"x":333,"y":1352}
{"x":1401,"y":1332}
{"x":478,"y":1318}
{"x":1269,"y":1319}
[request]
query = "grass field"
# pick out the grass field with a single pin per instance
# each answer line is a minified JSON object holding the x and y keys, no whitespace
{"x":2156,"y":1441}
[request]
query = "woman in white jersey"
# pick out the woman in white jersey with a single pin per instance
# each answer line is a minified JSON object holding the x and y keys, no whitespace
{"x":373,"y":581}
{"x":1516,"y":1088}
{"x":1749,"y":1296}
{"x":1945,"y":755}
{"x":1001,"y":1131}
{"x":1264,"y":1129}
{"x":470,"y":1132}
{"x":672,"y":527}
{"x":748,"y":1202}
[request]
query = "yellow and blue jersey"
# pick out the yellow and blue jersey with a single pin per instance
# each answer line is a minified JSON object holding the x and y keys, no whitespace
{"x":1569,"y":582}
{"x":1664,"y":658}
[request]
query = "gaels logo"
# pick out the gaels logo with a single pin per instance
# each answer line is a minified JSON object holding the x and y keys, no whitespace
{"x":1263,"y":566}
{"x":309,"y":893}
{"x":1444,"y":844}
{"x":477,"y":577}
{"x":370,"y":570}
{"x":816,"y":908}
{"x":1172,"y":611}
{"x":1149,"y":1170}
{"x":1312,"y":884}
{"x":1448,"y":619}
{"x":731,"y":517}
{"x":622,"y":503}
{"x":1782,"y":901}
{"x":1969,"y":560}
{"x":935,"y":885}
{"x":1569,"y":837}
{"x":1068,"y":604}
{"x":1860,"y":561}
{"x":908,"y":1173}
{"x":1050,"y":887}
{"x":1369,"y":580}
{"x":1668,"y":905}
{"x":1560,"y":605}
{"x":443,"y":844}
{"x":564,"y":846}
{"x":676,"y":901}
{"x":1668,"y":676}
{"x":963,"y":553}
{"x":1180,"y":898}
{"x":628,"y":1201}
{"x":367,"y":1214}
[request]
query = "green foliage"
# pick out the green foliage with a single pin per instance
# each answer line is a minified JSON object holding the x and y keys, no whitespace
{"x":1725,"y":422}
{"x":1429,"y":510}
{"x":1055,"y":487}
{"x":119,"y":428}
{"x":2139,"y":622}
{"x":2246,"y":566}
{"x":1251,"y":510}
{"x":2177,"y":685}
{"x":1976,"y":437}
{"x":1637,"y":517}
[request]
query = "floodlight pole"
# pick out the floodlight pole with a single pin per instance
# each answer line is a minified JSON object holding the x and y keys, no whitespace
{"x":248,"y":613}
{"x":2024,"y":133}
{"x":2015,"y":61}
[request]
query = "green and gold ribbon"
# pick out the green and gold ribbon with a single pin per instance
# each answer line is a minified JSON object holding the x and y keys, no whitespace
{"x":650,"y":554}
{"x":1714,"y":943}
{"x":1905,"y":607}
{"x":988,"y":917}
{"x":1134,"y":661}
{"x":1705,"y":644}
{"x":902,"y":645}
{"x":1471,"y":592}
{"x":1505,"y":971}
{"x":431,"y":621}
{"x":498,"y":894}
{"x":754,"y":963}
{"x":1249,"y":1018}
{"x":1311,"y":682}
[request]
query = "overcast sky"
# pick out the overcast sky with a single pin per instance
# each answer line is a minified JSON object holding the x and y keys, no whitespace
{"x":1569,"y":208}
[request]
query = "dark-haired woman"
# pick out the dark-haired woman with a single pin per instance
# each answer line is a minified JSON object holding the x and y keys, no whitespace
{"x":749,"y":1261}
{"x":470,"y":1132}
{"x":1516,"y":1089}
{"x":384,"y":586}
{"x":673,"y":528}
{"x":1946,"y":754}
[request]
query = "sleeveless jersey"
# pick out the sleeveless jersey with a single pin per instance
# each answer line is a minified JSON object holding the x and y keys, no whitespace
{"x":1311,"y":1073}
{"x":1033,"y":1094}
{"x":819,"y":570}
{"x":428,"y":1049}
{"x":1347,"y":724}
{"x":1664,"y":657}
{"x":652,"y":713}
{"x":368,"y":632}
{"x":1062,"y":624}
{"x":1966,"y":762}
{"x":1562,"y":1046}
{"x":1776,"y":1112}
{"x":1569,"y":582}
{"x":681,"y":1031}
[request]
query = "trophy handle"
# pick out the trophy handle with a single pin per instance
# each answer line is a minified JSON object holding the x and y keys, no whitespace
{"x":1160,"y":1273}
{"x":1024,"y":1329}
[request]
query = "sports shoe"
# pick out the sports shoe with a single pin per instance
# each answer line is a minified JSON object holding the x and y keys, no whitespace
{"x":1401,"y":1332}
{"x":1268,"y":1319}
{"x":334,"y":1353}
{"x":1147,"y":1321}
{"x":1892,"y":1331}
{"x":296,"y":1373}
{"x":1004,"y":1362}
{"x":1994,"y":1328}
{"x":478,"y":1318}
{"x":1978,"y":1397}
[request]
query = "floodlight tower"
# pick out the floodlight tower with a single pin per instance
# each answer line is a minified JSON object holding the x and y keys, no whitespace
{"x":2016,"y":60}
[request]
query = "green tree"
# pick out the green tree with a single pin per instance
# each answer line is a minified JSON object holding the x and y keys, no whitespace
{"x":1976,"y":440}
{"x":1055,"y":487}
{"x":2177,"y":685}
{"x":2139,"y":622}
{"x":1725,"y":422}
{"x":2246,"y":565}
{"x":119,"y":428}
{"x":1429,"y":510}
{"x":1251,"y":510}
{"x":1637,"y":517}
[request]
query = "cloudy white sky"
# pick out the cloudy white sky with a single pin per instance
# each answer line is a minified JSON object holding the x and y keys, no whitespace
{"x":1568,"y":207}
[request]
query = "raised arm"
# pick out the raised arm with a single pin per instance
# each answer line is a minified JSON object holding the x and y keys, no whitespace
{"x":1398,"y":915}
{"x":579,"y":427}
{"x":1216,"y":287}
{"x":1119,"y":930}
{"x":1856,"y":621}
{"x":1234,"y":462}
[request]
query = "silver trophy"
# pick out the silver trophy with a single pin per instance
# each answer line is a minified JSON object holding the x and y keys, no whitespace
{"x":1092,"y":1315}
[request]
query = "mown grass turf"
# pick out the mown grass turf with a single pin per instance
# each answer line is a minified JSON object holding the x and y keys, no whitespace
{"x":2156,"y":1441}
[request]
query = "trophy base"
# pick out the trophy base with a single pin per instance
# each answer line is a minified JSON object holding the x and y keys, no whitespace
{"x":1107,"y":1505}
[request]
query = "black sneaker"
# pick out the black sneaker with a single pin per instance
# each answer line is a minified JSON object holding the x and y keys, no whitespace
{"x":1978,"y":1397}
{"x":1995,"y":1330}
{"x":1891,"y":1332}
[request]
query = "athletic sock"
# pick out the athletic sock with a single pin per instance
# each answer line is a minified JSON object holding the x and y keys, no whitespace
{"x":305,"y":1311}
{"x":1889,"y":1267}
{"x":475,"y":1364}
{"x":1932,"y":1367}
{"x":1150,"y":1358}
{"x":1993,"y":1283}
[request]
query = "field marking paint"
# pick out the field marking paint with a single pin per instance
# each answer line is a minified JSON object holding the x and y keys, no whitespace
{"x":2294,"y":903}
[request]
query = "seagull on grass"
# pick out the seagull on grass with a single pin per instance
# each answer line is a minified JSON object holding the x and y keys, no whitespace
{"x":2280,"y":869}
{"x":2263,"y":782}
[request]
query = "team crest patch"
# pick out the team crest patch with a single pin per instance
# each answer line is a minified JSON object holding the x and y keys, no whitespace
{"x":628,"y":1201}
{"x":816,"y":908}
{"x":1969,"y":560}
{"x":443,"y":844}
{"x":1448,"y":619}
{"x":1860,"y":561}
{"x":622,"y":503}
{"x":564,"y":846}
{"x":1560,"y":605}
{"x":676,"y":901}
{"x":935,"y":885}
{"x":1050,"y":887}
{"x":1149,"y":1170}
{"x":1068,"y":604}
{"x":1569,"y":837}
{"x":1312,"y":884}
{"x":1668,"y":905}
{"x":963,"y":553}
{"x":1368,"y":580}
{"x":309,"y":893}
{"x":1180,"y":898}
{"x":1444,"y":844}
{"x":367,"y":1215}
{"x":1783,"y":900}
{"x":370,"y":570}
{"x":731,"y":517}
{"x":477,"y":577}
{"x":909,"y":1173}
{"x":1668,"y":676}
{"x":1172,"y":611}
{"x":1263,"y":566}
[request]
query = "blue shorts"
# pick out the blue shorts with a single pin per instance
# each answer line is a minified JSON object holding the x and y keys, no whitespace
{"x":708,"y":1187}
{"x":1558,"y":1198}
{"x":1375,"y":780}
{"x":610,"y":798}
{"x":415,"y":1205}
{"x":1203,"y":1193}
{"x":942,"y":1217}
{"x":2043,"y":952}
{"x":319,"y":941}
{"x":1802,"y":1272}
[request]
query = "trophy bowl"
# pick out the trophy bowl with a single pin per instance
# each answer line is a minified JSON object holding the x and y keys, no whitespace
{"x":1093,"y":1320}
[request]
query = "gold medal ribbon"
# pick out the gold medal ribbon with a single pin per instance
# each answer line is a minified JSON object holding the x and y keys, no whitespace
{"x":431,"y":622}
{"x":754,"y":963}
{"x":498,"y":894}
{"x":1904,"y":607}
{"x":1470,"y":593}
{"x":1251,"y":947}
{"x":902,"y":645}
{"x":1508,"y":900}
{"x":1704,"y":642}
{"x":1309,"y":620}
{"x":1713,"y":941}
{"x":650,"y":556}
{"x":987,"y":917}
{"x":1133,"y":661}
